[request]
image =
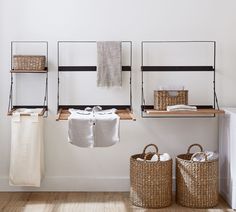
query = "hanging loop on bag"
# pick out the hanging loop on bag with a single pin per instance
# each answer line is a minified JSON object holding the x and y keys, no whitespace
{"x":199,"y":153}
{"x":201,"y":149}
{"x":155,"y":146}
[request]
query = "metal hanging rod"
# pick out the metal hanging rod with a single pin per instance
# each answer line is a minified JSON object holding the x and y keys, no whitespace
{"x":179,"y":41}
{"x":177,"y":68}
{"x":90,"y":41}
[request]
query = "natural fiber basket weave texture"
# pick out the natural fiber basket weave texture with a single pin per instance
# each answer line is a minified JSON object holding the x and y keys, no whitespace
{"x":196,"y":182}
{"x":28,"y":62}
{"x":164,"y":98}
{"x":151,"y":182}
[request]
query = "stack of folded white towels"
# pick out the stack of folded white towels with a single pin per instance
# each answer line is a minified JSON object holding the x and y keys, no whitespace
{"x":181,"y":108}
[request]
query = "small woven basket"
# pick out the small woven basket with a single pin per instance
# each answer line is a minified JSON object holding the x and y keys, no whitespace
{"x":164,"y":98}
{"x":151,"y":182}
{"x":196,"y":182}
{"x":28,"y":62}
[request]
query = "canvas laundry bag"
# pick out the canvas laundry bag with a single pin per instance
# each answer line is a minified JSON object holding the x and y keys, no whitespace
{"x":27,"y":151}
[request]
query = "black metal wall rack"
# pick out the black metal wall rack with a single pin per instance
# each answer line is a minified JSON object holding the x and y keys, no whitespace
{"x":44,"y":106}
{"x":203,"y":111}
{"x":124,"y":111}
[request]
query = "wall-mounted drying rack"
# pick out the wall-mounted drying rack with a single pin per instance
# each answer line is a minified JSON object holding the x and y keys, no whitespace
{"x":203,"y":111}
{"x":44,"y":106}
{"x":124,"y":111}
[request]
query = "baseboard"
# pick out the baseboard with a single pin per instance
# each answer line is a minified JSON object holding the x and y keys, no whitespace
{"x":73,"y":184}
{"x":68,"y":183}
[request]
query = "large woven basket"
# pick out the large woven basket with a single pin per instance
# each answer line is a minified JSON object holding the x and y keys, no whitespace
{"x":196,"y":182}
{"x":164,"y":98}
{"x":151,"y":182}
{"x":28,"y":62}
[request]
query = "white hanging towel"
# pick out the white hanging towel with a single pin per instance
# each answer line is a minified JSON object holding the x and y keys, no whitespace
{"x":27,"y":150}
{"x":93,"y":128}
{"x":80,"y":132}
{"x":107,"y":132}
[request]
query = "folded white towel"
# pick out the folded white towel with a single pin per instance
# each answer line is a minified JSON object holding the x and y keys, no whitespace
{"x":181,"y":108}
{"x":163,"y":157}
{"x":210,"y":156}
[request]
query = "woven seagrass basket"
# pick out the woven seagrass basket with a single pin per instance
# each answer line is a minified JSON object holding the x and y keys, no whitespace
{"x":164,"y":98}
{"x":196,"y":182}
{"x":28,"y":62}
{"x":151,"y":182}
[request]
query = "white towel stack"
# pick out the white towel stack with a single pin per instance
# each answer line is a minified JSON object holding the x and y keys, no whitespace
{"x":210,"y":156}
{"x":181,"y":108}
{"x":163,"y":157}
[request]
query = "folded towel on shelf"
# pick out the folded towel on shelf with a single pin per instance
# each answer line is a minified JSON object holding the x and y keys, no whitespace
{"x":109,"y":67}
{"x":94,"y":127}
{"x":163,"y":157}
{"x":181,"y":108}
{"x":210,"y":156}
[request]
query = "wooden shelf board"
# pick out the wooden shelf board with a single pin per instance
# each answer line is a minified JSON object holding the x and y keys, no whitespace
{"x":29,"y":71}
{"x":63,"y":114}
{"x":14,"y":109}
{"x":198,"y":112}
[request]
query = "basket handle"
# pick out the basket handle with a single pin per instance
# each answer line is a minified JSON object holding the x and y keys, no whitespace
{"x":150,"y":153}
{"x":199,"y":153}
{"x":155,"y":146}
{"x":201,"y":149}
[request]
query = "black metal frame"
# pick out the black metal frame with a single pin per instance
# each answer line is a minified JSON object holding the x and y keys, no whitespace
{"x":210,"y":68}
{"x":45,"y":100}
{"x":88,"y":69}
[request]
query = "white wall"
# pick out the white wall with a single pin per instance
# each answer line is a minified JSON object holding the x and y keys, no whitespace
{"x":72,"y":168}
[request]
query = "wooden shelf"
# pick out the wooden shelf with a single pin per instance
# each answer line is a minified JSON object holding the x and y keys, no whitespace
{"x":199,"y":112}
{"x":29,"y":71}
{"x":26,"y":114}
{"x":124,"y":114}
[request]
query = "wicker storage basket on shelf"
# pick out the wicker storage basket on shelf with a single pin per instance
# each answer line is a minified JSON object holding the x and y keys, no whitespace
{"x":151,"y":182}
{"x":196,"y":182}
{"x":28,"y":62}
{"x":164,"y":98}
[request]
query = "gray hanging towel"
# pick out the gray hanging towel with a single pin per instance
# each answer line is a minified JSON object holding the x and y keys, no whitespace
{"x":109,"y":68}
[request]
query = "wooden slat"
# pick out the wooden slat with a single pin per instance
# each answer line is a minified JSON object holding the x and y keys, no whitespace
{"x":25,"y":114}
{"x":63,"y":114}
{"x":198,"y":112}
{"x":125,"y":115}
{"x":29,"y":71}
